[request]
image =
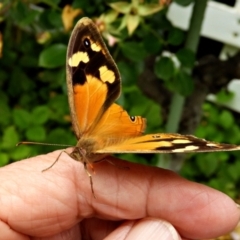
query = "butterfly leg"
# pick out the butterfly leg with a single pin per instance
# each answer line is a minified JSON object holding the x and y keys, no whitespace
{"x":82,"y":157}
{"x":90,"y":177}
{"x":91,"y":167}
{"x":54,"y":161}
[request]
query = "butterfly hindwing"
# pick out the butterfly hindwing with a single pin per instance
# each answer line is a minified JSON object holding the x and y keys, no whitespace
{"x":166,"y":143}
{"x":116,"y":123}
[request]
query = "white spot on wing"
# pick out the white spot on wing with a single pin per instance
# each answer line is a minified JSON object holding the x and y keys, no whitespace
{"x":211,"y":145}
{"x":95,"y":47}
{"x":179,"y":141}
{"x":106,"y":75}
{"x":186,"y":149}
{"x":77,"y":58}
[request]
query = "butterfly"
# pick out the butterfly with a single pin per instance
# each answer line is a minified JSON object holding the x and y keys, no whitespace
{"x":101,"y":126}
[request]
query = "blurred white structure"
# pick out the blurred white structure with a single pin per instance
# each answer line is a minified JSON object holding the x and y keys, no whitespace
{"x":221,"y":23}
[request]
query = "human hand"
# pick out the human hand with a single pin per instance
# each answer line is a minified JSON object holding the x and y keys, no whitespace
{"x":140,"y":203}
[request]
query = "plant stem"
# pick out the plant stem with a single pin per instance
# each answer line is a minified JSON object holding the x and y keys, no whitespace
{"x":193,"y":35}
{"x":177,"y":103}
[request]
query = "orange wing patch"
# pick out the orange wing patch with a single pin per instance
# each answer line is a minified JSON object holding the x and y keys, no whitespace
{"x":92,"y":93}
{"x":116,"y":123}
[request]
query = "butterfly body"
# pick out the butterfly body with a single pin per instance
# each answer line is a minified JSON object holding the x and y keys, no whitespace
{"x":101,"y":126}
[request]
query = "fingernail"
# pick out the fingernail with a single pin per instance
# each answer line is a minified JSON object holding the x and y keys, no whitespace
{"x":172,"y":231}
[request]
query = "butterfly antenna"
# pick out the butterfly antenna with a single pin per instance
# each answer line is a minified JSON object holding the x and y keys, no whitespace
{"x":43,"y":144}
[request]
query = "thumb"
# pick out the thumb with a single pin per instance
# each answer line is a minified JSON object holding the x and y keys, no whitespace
{"x":145,"y":228}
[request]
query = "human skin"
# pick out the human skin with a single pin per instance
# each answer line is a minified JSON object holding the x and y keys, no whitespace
{"x":140,"y":202}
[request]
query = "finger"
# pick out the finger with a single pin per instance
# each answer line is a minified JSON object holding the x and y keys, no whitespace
{"x":36,"y":203}
{"x":146,"y":228}
{"x":62,"y":197}
{"x":10,"y":234}
{"x":69,"y":234}
{"x":195,"y":210}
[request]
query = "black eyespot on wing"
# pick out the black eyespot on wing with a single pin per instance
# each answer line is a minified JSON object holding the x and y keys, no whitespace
{"x":86,"y":43}
{"x":132,"y":118}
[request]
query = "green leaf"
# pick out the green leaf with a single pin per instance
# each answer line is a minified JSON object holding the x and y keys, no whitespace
{"x":133,"y":50}
{"x":20,"y":152}
{"x":153,"y":116}
{"x":21,"y":118}
{"x":128,"y":73}
{"x":149,"y":9}
{"x":164,"y":68}
{"x":152,"y":44}
{"x":59,"y":107}
{"x":110,"y":16}
{"x":55,"y":19}
{"x":61,"y":136}
{"x":4,"y":159}
{"x":183,"y":83}
{"x":40,"y":115}
{"x":36,"y":133}
{"x":54,"y":56}
{"x":30,"y":17}
{"x":20,"y":12}
{"x":175,"y":37}
{"x":23,"y":83}
{"x":5,"y":113}
{"x":226,"y":119}
{"x":207,"y":164}
{"x":121,"y":7}
{"x":189,"y":169}
{"x":186,"y":57}
{"x":10,"y":138}
{"x":224,"y":96}
{"x":233,"y":171}
{"x":53,"y":79}
{"x":52,"y":3}
{"x":132,"y":23}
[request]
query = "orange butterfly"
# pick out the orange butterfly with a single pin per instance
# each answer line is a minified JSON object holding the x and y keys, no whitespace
{"x":101,"y":126}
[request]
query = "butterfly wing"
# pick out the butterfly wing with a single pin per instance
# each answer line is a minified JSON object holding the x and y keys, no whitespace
{"x":116,"y":123}
{"x":92,"y":77}
{"x":165,"y":143}
{"x":101,"y":125}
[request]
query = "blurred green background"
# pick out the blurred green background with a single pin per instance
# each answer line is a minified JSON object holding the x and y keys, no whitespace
{"x":33,"y":95}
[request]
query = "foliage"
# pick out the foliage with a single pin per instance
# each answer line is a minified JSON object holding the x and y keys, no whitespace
{"x":34,"y":105}
{"x":219,"y":170}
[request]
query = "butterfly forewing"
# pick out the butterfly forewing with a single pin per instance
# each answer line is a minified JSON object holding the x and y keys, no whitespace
{"x":92,"y":77}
